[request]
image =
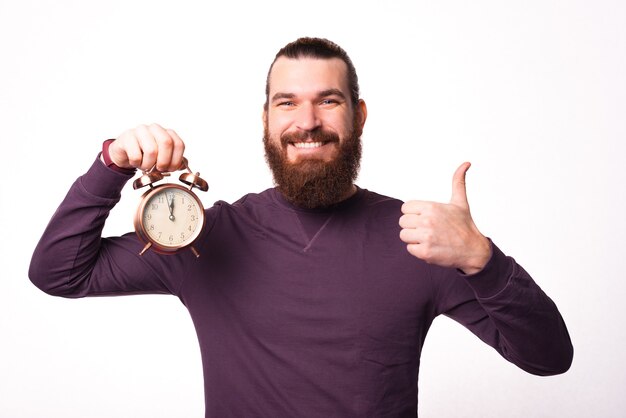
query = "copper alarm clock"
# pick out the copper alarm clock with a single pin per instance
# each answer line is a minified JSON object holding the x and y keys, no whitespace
{"x":170,"y":217}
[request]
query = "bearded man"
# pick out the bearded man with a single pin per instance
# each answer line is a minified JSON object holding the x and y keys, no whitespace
{"x":312,"y":298}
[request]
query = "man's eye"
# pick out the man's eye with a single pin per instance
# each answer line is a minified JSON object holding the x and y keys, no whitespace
{"x":329,"y":101}
{"x":286,"y":104}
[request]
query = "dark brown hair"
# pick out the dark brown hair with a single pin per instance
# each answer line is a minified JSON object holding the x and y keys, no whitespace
{"x":317,"y":48}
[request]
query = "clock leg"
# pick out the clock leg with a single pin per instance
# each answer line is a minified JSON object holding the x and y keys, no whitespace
{"x":148,"y":245}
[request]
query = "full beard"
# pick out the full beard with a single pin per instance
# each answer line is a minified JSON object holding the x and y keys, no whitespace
{"x":314,"y":183}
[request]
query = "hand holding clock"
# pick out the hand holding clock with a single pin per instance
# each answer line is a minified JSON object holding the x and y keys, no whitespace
{"x":147,"y":145}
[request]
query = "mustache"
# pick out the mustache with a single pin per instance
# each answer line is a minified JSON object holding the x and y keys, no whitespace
{"x":313,"y":136}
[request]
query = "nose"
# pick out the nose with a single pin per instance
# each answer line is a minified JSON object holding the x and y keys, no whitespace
{"x":307,"y":118}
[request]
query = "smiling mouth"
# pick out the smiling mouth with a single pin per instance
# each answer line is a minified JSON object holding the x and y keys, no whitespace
{"x":309,"y":141}
{"x":305,"y":145}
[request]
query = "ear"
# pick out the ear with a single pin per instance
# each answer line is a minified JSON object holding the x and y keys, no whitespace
{"x":264,"y":116}
{"x":361,"y":109}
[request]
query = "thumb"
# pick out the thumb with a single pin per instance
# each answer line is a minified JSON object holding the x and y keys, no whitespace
{"x":459,"y":194}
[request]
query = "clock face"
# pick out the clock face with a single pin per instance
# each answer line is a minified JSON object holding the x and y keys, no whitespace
{"x":171,"y":217}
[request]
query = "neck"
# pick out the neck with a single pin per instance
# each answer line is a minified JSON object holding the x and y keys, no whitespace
{"x":351,"y":191}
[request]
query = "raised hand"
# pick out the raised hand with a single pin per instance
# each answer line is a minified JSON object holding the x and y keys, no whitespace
{"x":146,"y":146}
{"x":444,"y":233}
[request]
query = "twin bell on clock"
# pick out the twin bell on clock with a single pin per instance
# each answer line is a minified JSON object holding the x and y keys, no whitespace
{"x":170,"y":217}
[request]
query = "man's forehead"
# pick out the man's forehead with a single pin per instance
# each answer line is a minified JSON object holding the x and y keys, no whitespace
{"x":308,"y":72}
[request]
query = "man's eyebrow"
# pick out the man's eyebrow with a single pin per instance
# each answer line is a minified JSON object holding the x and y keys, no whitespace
{"x":323,"y":93}
{"x":332,"y":92}
{"x":280,"y":95}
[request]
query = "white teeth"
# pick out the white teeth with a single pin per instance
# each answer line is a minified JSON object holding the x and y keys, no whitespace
{"x":307,"y":144}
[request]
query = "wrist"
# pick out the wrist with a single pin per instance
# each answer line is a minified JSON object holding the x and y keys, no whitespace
{"x":480,"y":256}
{"x":105,"y":157}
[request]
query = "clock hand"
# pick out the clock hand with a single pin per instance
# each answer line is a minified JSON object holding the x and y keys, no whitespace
{"x":171,"y":207}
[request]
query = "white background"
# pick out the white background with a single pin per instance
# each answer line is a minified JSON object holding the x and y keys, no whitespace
{"x":531,"y":92}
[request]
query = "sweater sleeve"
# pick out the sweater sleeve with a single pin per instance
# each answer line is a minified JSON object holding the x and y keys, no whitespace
{"x":506,"y":309}
{"x":73,"y":260}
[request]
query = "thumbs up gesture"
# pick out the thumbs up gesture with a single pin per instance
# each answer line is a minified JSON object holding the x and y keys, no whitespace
{"x":444,"y":233}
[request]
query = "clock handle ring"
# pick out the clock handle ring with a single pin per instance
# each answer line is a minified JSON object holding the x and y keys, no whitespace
{"x":148,"y":178}
{"x":191,"y":179}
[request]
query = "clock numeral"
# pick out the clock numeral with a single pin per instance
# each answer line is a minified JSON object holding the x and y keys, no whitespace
{"x":160,"y":199}
{"x":182,"y":235}
{"x":154,"y":206}
{"x":171,"y":238}
{"x":149,"y":216}
{"x":189,"y":228}
{"x":159,"y":237}
{"x":152,"y":227}
{"x":188,"y":208}
{"x":193,"y":217}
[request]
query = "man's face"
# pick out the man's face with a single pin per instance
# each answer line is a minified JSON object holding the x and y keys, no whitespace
{"x":312,"y":130}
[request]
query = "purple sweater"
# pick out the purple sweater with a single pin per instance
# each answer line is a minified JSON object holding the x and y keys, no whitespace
{"x":302,"y":313}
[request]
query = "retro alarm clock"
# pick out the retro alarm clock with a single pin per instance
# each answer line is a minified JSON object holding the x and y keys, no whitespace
{"x":170,"y":216}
